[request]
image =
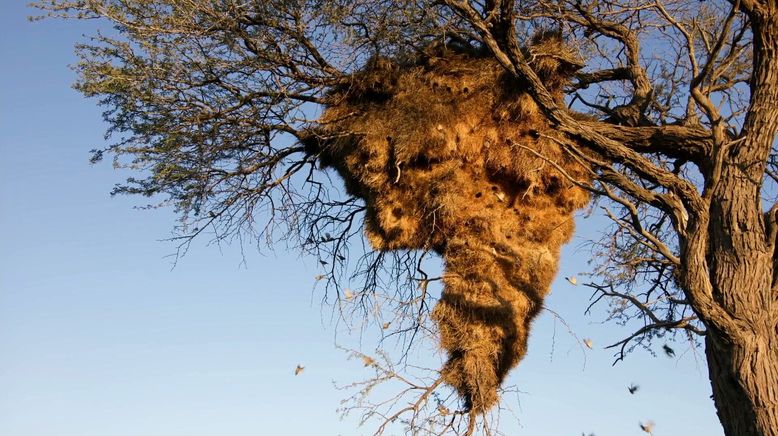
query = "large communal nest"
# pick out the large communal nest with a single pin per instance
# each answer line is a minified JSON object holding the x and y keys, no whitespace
{"x":450,"y":154}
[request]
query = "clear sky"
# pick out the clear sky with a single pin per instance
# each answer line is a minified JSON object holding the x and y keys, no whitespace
{"x":99,"y":336}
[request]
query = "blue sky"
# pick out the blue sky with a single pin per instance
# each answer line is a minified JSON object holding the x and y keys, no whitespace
{"x":100,"y":336}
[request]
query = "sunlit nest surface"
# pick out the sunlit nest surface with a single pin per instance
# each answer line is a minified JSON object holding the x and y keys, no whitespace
{"x":450,"y":154}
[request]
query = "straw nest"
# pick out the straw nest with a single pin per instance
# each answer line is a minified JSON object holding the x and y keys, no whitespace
{"x":450,"y":154}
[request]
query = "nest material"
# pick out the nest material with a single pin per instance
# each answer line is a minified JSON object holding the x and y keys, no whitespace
{"x":450,"y":154}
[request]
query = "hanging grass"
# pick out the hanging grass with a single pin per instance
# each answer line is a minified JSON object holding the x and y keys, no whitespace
{"x":450,"y":154}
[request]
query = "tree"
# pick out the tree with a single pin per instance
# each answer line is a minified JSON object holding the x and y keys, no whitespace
{"x":664,"y":111}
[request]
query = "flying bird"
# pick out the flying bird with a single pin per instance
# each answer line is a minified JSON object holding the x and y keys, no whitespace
{"x":648,"y":427}
{"x":669,"y":351}
{"x":633,"y":388}
{"x":588,"y":342}
{"x":298,"y":370}
{"x":573,"y":281}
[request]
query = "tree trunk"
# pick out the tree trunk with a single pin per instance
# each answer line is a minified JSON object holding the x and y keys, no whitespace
{"x":744,"y":377}
{"x":743,"y":361}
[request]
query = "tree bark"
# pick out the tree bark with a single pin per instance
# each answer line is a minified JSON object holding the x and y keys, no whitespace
{"x":743,"y":358}
{"x":744,"y":377}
